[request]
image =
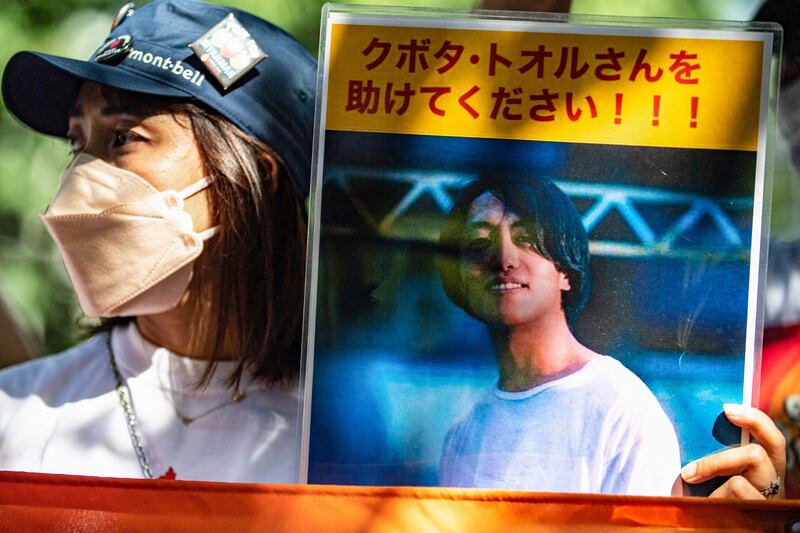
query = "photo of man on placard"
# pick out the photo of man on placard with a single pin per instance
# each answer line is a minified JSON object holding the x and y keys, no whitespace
{"x":562,"y":417}
{"x":530,"y":315}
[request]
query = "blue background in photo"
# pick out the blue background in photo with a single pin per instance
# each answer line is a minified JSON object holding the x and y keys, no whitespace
{"x":396,"y":363}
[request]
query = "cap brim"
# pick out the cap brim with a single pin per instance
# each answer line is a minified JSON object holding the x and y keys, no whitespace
{"x":39,"y":89}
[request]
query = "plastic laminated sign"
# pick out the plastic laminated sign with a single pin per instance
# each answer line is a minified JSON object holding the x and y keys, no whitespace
{"x":537,"y":247}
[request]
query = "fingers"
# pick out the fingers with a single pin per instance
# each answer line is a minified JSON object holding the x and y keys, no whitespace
{"x":763,"y":429}
{"x":753,"y":467}
{"x":737,"y":487}
{"x":750,"y":461}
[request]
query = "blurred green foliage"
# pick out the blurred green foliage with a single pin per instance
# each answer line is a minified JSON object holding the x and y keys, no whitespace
{"x":32,"y":279}
{"x":693,"y":9}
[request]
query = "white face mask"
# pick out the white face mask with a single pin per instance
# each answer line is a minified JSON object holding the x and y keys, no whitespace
{"x":127,"y":247}
{"x":789,"y":120}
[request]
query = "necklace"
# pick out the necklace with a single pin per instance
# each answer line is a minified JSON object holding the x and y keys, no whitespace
{"x":186,"y":420}
{"x":126,"y":402}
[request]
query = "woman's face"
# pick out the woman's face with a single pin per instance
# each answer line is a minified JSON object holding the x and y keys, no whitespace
{"x":160,"y":148}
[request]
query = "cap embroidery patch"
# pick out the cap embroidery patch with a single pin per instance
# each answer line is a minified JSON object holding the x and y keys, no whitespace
{"x":114,"y":50}
{"x":228,"y":51}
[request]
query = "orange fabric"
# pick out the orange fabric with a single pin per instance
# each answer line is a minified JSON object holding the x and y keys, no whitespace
{"x":41,"y":502}
{"x":780,"y":377}
{"x":780,"y":368}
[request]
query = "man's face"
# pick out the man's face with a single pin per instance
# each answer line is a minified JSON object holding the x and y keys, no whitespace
{"x":506,"y":282}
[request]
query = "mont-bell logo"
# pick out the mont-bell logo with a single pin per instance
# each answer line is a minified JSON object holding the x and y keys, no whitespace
{"x":114,"y":50}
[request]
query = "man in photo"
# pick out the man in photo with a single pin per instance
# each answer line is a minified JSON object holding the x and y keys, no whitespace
{"x":562,"y":418}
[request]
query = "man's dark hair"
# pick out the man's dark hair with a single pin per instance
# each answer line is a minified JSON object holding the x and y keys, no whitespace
{"x":550,"y":217}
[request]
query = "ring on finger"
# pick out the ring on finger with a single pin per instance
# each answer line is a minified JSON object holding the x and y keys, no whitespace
{"x":773,"y":489}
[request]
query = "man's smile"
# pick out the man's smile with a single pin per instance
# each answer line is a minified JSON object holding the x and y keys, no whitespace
{"x":507,"y":285}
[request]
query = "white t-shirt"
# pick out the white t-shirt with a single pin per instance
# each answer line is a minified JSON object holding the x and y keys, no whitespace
{"x":61,"y":414}
{"x":597,"y":430}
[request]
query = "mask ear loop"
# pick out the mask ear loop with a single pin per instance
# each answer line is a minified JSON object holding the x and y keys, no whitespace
{"x":193,"y":189}
{"x":208,"y":233}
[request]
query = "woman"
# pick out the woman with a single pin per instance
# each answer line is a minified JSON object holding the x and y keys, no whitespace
{"x":181,"y":224}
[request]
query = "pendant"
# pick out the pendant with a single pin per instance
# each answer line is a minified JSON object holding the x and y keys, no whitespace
{"x":186,"y":420}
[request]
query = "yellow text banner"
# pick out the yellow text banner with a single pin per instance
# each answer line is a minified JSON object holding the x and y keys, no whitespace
{"x":568,"y":87}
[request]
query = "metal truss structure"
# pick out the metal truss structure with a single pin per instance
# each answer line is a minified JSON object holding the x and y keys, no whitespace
{"x":698,"y":228}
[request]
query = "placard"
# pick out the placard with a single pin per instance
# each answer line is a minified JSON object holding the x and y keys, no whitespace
{"x":537,"y":247}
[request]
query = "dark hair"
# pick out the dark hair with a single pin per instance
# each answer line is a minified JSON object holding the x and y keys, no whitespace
{"x":554,"y":224}
{"x":787,"y":14}
{"x":257,"y":258}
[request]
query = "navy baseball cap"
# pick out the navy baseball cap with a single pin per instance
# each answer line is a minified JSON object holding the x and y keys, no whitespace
{"x":269,"y":94}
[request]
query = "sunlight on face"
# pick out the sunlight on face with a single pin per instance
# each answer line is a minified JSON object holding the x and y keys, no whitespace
{"x":161,"y":148}
{"x":506,"y":281}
